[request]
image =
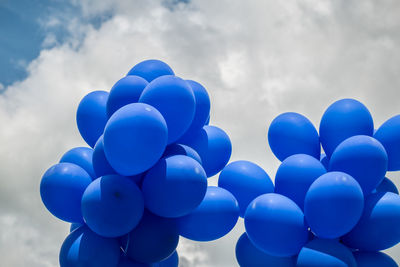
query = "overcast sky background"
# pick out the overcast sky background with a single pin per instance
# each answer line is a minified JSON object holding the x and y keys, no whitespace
{"x":256,"y":58}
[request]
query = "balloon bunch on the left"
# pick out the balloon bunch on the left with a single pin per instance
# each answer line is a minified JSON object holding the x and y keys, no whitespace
{"x":137,"y":188}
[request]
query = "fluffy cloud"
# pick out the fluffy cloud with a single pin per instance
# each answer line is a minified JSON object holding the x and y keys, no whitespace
{"x":256,"y":58}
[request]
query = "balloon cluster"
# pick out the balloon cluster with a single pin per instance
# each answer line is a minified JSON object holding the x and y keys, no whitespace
{"x":332,"y":209}
{"x":142,"y":183}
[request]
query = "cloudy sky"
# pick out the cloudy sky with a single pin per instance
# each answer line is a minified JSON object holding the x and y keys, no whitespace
{"x":256,"y":58}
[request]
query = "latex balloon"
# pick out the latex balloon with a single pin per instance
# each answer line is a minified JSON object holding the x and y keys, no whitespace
{"x":325,"y":252}
{"x":213,"y":218}
{"x":246,"y":181}
{"x":81,"y":156}
{"x":295,"y":176}
{"x":387,"y":186}
{"x":179,"y":149}
{"x":378,"y":228}
{"x":203,"y":104}
{"x":61,"y":189}
{"x":276,"y":225}
{"x":126,"y":91}
{"x":126,"y":262}
{"x":325,"y":161}
{"x":171,"y":261}
{"x":362,"y":157}
{"x":100,"y":163}
{"x":343,"y":119}
{"x":214,"y":148}
{"x":112,"y":205}
{"x":373,"y":259}
{"x":247,"y":255}
{"x":291,"y":133}
{"x":151,"y":69}
{"x":207,"y":121}
{"x":75,"y":226}
{"x":84,"y":248}
{"x":388,"y":135}
{"x":135,"y":138}
{"x":91,"y":116}
{"x":153,"y":240}
{"x":175,"y":100}
{"x":174,"y":186}
{"x":333,"y":205}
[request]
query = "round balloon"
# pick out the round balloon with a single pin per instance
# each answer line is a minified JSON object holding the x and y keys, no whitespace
{"x":325,"y":161}
{"x":387,"y":186}
{"x":276,"y":225}
{"x":174,"y":186}
{"x":126,"y":91}
{"x":202,"y":112}
{"x":135,"y":138}
{"x":246,"y":181}
{"x":213,"y":218}
{"x":174,"y":98}
{"x":388,"y":135}
{"x":61,"y":189}
{"x":75,"y":226}
{"x":373,"y":259}
{"x":333,"y":205}
{"x":153,"y":240}
{"x":343,"y":119}
{"x":179,"y":149}
{"x":84,"y":248}
{"x":81,"y":156}
{"x":291,"y":133}
{"x":151,"y":69}
{"x":378,"y":228}
{"x":325,"y":252}
{"x":126,"y":262}
{"x":295,"y":176}
{"x":171,"y":261}
{"x":91,"y":116}
{"x":101,"y":166}
{"x":112,"y":205}
{"x":247,"y":255}
{"x":214,"y":147}
{"x":362,"y":157}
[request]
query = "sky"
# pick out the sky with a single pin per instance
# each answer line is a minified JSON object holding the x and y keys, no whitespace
{"x":257,"y":59}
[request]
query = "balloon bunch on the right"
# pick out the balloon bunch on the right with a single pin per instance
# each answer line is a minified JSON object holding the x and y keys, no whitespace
{"x":332,"y":209}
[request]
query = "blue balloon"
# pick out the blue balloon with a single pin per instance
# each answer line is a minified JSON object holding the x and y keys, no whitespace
{"x":295,"y":176}
{"x":126,"y":262}
{"x":175,"y":100}
{"x":171,"y":261}
{"x":343,"y":119}
{"x":325,"y":252}
{"x":388,"y":135}
{"x":61,"y":190}
{"x":207,"y":121}
{"x":101,"y":166}
{"x":81,"y":156}
{"x":179,"y":149}
{"x":91,"y":116}
{"x":387,"y":186}
{"x":362,"y":157}
{"x":84,"y":248}
{"x":213,"y":218}
{"x":378,"y":228}
{"x":153,"y":240}
{"x":325,"y":161}
{"x":276,"y":225}
{"x":126,"y":91}
{"x":75,"y":226}
{"x":174,"y":186}
{"x":112,"y":205}
{"x":202,"y":113}
{"x":333,"y":205}
{"x":135,"y":138}
{"x":214,"y":148}
{"x":291,"y":133}
{"x":373,"y":259}
{"x":151,"y":69}
{"x":246,"y":181}
{"x":247,"y":255}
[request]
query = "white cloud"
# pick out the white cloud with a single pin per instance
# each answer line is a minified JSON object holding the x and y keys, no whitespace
{"x":256,"y":58}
